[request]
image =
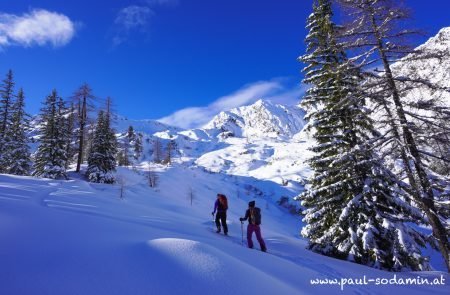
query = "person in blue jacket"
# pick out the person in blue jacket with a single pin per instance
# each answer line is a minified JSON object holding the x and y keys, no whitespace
{"x":221,"y":206}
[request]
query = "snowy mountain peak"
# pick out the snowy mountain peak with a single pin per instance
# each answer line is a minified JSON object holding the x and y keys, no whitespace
{"x":439,"y":42}
{"x":261,"y":119}
{"x":445,"y":30}
{"x":263,"y":103}
{"x":435,"y":67}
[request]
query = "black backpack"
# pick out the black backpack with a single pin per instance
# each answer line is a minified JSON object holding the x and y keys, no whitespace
{"x":256,"y":215}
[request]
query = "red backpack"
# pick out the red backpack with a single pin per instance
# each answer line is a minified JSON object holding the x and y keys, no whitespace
{"x":223,"y":201}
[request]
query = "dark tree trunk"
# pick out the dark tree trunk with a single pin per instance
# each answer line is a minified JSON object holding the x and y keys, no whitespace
{"x":83,"y":118}
{"x":426,"y":202}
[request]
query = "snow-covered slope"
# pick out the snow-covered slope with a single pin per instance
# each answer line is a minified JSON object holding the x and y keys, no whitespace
{"x":263,"y":141}
{"x":74,"y":237}
{"x":283,"y":162}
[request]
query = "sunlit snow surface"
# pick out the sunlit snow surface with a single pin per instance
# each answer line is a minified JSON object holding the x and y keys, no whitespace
{"x":73,"y":237}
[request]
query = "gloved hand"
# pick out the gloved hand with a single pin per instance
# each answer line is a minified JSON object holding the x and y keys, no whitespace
{"x":212,"y":213}
{"x":241,"y":219}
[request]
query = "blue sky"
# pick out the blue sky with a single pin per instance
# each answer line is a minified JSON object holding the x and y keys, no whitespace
{"x":181,"y":60}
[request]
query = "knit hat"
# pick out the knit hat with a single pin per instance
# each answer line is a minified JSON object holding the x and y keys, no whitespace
{"x":251,"y":204}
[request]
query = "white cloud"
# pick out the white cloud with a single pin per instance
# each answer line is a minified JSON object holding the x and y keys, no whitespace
{"x":38,"y":27}
{"x":189,"y":117}
{"x":137,"y":18}
{"x":274,"y":90}
{"x":134,"y":16}
{"x":131,"y":18}
{"x":246,"y":95}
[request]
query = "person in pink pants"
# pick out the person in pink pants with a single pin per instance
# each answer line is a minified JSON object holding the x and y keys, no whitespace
{"x":253,"y":214}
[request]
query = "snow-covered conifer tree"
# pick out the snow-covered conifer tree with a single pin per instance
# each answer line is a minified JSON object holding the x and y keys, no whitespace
{"x":101,"y":161}
{"x":51,"y":157}
{"x":355,"y":207}
{"x":6,"y":102}
{"x":130,"y":134}
{"x":137,"y":146}
{"x":17,"y":150}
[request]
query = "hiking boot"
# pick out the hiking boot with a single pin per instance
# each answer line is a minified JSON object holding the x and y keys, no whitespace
{"x":218,"y":230}
{"x":225,"y":234}
{"x":264,"y":249}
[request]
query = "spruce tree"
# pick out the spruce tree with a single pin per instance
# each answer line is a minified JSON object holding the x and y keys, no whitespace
{"x":6,"y":102}
{"x":101,"y":161}
{"x":137,"y":146}
{"x":355,"y":207}
{"x":51,"y":157}
{"x":111,"y":138}
{"x":17,"y":150}
{"x":131,"y":135}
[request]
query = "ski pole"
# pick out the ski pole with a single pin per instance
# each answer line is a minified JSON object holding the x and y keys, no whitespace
{"x":242,"y":231}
